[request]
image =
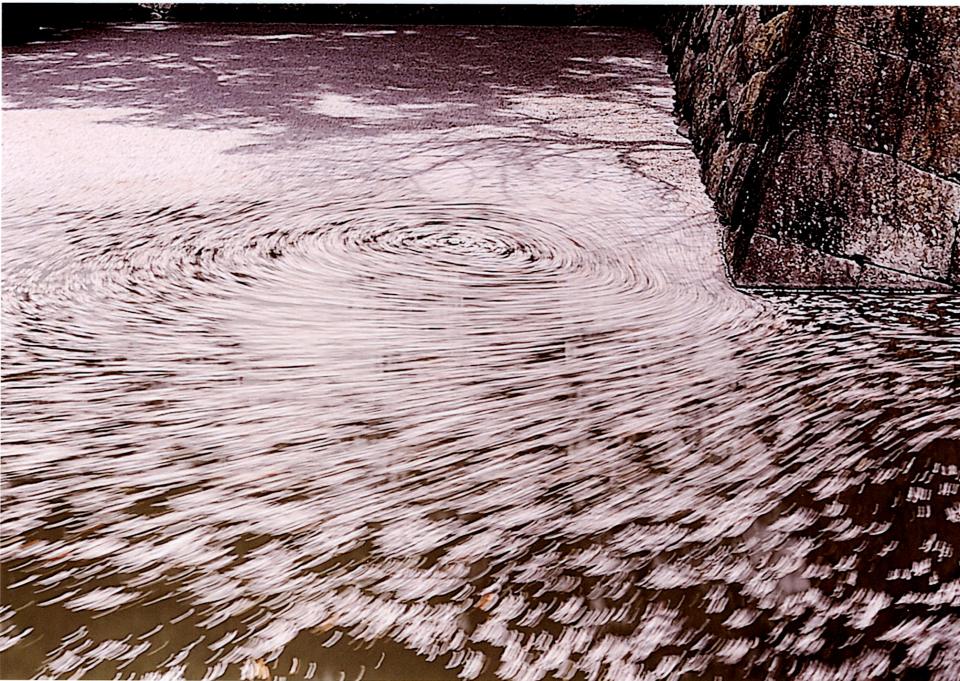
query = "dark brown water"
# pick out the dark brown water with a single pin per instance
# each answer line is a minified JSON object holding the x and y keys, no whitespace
{"x":409,"y":354}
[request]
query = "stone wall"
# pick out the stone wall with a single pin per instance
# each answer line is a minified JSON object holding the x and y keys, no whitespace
{"x":829,"y":138}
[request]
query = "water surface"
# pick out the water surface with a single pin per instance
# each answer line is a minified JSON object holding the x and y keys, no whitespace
{"x":409,"y":354}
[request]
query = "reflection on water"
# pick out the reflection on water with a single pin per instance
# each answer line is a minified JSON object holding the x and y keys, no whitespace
{"x":347,"y":353}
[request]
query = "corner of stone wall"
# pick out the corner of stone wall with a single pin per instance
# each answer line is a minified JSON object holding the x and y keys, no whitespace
{"x":829,"y":139}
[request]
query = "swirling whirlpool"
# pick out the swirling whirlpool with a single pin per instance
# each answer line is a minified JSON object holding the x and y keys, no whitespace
{"x":425,"y":389}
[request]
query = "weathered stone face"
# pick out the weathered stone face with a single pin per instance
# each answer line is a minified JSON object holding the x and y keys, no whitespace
{"x":860,"y":205}
{"x":829,"y":139}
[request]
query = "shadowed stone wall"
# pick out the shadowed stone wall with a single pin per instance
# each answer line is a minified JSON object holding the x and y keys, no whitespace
{"x":829,"y":138}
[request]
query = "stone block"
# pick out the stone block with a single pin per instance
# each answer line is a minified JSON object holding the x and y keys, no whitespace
{"x":915,"y":215}
{"x":874,"y":278}
{"x":796,"y":204}
{"x":751,"y":108}
{"x":854,"y":203}
{"x":878,"y":101}
{"x":929,"y":115}
{"x":848,"y":91}
{"x":940,"y":29}
{"x":767,"y":42}
{"x":776,"y":264}
{"x":736,"y":168}
{"x":925,"y":34}
{"x":713,"y":173}
{"x":875,"y":28}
